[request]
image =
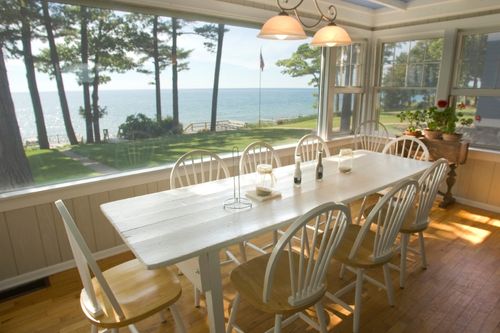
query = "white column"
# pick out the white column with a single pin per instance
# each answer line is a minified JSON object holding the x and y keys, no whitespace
{"x":325,"y":98}
{"x":447,"y":64}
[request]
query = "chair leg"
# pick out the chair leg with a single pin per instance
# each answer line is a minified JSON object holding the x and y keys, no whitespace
{"x":342,"y":271}
{"x":114,"y":330}
{"x":162,"y":316}
{"x":179,"y":323}
{"x":320,"y":311}
{"x":197,"y":297}
{"x":388,"y":284}
{"x":357,"y":299}
{"x":275,"y":237}
{"x":243,"y":252}
{"x":277,"y":323}
{"x":93,"y":329}
{"x":232,"y":315}
{"x":422,"y":249}
{"x":402,"y":267}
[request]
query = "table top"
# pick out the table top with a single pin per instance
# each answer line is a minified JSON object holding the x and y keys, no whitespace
{"x":167,"y":227}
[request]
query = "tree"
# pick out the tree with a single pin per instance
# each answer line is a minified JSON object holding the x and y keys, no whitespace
{"x":214,"y":34}
{"x":150,"y":35}
{"x":26,"y":14}
{"x":175,"y":88}
{"x":48,"y":62}
{"x":14,"y":167}
{"x":306,"y":61}
{"x":84,"y":77}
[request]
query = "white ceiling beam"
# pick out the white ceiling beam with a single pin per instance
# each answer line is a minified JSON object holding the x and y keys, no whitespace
{"x":394,"y":4}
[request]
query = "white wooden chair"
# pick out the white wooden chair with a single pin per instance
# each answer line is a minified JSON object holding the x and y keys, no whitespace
{"x":417,"y":219}
{"x":256,"y":153}
{"x":407,"y":146}
{"x":124,"y":294}
{"x":371,"y":135}
{"x":308,"y":147}
{"x":195,"y":167}
{"x":372,"y":245}
{"x":292,"y":278}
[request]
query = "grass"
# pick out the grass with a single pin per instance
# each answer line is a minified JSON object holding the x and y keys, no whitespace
{"x":51,"y":166}
{"x":159,"y":151}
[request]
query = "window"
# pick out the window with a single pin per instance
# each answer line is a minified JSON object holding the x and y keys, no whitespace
{"x":349,"y":75}
{"x":128,"y":124}
{"x":408,"y":77}
{"x":477,"y":86}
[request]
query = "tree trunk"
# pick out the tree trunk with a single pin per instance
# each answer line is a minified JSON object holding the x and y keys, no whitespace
{"x":14,"y":167}
{"x":95,"y":101}
{"x":43,"y":140}
{"x":175,"y":90}
{"x":215,"y":92}
{"x":85,"y":73}
{"x":156,"y":58}
{"x":54,"y":57}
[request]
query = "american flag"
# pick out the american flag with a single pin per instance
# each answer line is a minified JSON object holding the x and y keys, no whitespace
{"x":261,"y":61}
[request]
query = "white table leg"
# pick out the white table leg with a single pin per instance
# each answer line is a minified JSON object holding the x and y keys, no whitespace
{"x":212,"y":285}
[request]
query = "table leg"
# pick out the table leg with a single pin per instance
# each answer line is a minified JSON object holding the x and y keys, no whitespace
{"x":212,"y":285}
{"x":450,"y":181}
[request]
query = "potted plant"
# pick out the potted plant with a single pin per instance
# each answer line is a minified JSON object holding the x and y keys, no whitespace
{"x":435,"y":118}
{"x":452,"y":118}
{"x":414,"y":119}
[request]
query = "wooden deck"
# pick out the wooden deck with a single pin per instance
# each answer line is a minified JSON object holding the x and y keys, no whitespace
{"x":459,"y":292}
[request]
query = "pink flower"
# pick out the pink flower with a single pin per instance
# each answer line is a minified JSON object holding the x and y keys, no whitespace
{"x":442,"y":103}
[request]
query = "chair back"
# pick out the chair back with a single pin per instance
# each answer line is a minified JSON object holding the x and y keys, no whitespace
{"x":197,"y":166}
{"x":429,"y":184}
{"x":308,"y":147}
{"x":385,"y":220}
{"x":85,"y":260}
{"x":407,"y":146}
{"x":256,"y":153}
{"x":309,"y":263}
{"x":371,"y":135}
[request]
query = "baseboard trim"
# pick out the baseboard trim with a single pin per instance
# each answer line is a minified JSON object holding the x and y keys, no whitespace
{"x":478,"y":204}
{"x":47,"y":271}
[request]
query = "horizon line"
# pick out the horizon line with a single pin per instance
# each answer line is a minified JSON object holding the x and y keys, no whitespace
{"x":145,"y":89}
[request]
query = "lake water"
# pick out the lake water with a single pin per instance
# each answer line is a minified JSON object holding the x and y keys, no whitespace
{"x":194,"y":106}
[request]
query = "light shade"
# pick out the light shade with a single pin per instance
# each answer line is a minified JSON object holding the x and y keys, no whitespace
{"x":331,"y":35}
{"x":282,"y":27}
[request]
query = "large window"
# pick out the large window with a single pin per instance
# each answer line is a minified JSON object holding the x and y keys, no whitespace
{"x":349,"y":76}
{"x":139,"y":101}
{"x":477,"y":86}
{"x":408,"y":77}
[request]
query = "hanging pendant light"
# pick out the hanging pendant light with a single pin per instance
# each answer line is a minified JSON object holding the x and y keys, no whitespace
{"x":282,"y":26}
{"x":286,"y":27}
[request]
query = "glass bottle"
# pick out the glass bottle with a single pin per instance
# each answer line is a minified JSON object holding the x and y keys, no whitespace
{"x":319,"y":166}
{"x":297,"y":175}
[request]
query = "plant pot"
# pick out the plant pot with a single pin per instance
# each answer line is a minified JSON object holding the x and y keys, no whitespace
{"x":452,"y":136}
{"x":432,"y":135}
{"x":413,"y":133}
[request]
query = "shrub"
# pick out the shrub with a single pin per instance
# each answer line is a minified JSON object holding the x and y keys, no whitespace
{"x":141,"y":126}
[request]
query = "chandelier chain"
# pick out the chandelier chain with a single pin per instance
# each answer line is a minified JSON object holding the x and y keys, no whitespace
{"x":332,"y":11}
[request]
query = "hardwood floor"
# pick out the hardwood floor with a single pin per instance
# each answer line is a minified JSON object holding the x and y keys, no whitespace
{"x":459,"y":292}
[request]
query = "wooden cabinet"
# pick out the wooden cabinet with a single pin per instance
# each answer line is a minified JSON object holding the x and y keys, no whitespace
{"x":456,"y":154}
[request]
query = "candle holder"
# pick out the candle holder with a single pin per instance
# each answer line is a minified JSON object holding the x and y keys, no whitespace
{"x":236,"y":202}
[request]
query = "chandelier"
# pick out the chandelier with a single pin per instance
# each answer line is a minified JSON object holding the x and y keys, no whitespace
{"x":286,"y":27}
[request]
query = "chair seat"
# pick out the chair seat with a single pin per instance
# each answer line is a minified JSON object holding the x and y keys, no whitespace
{"x":248,"y":279}
{"x":409,"y":226}
{"x":140,"y":292}
{"x":364,"y":257}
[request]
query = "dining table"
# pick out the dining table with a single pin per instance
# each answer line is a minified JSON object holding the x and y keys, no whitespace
{"x":168,"y":227}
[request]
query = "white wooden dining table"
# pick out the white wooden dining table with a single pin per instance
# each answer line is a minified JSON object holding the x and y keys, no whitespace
{"x":168,"y":227}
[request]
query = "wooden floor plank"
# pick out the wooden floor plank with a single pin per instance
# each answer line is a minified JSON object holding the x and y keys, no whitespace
{"x":459,"y":292}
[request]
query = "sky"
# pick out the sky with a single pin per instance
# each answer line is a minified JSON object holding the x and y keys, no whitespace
{"x":239,"y":68}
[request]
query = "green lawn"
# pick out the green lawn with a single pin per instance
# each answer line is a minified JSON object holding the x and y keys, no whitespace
{"x":159,"y":151}
{"x":51,"y":166}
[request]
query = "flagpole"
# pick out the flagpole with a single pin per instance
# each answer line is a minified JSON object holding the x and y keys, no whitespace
{"x":260,"y":91}
{"x":260,"y":84}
